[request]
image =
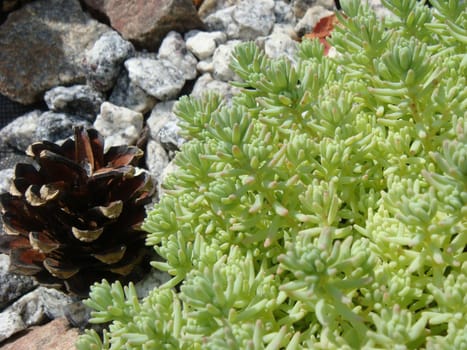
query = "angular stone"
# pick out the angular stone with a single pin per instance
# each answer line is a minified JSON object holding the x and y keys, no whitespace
{"x":310,"y":19}
{"x":79,"y":100}
{"x":42,"y":46}
{"x":280,"y":44}
{"x":104,"y":60}
{"x":203,"y":44}
{"x":206,"y":84}
{"x":246,"y":21}
{"x":145,"y":23}
{"x":173,"y":49}
{"x":57,"y":126}
{"x":127,"y":94}
{"x":160,"y":115}
{"x":32,"y":309}
{"x":6,"y":176}
{"x":159,"y":78}
{"x":300,"y":7}
{"x":21,"y":132}
{"x":156,"y":159}
{"x":55,"y":335}
{"x":221,"y":60}
{"x":12,"y":286}
{"x":119,"y":125}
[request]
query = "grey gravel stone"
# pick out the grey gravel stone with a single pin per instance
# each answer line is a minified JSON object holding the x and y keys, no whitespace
{"x":159,"y":78}
{"x":156,"y":159}
{"x":310,"y":19}
{"x":119,"y":125}
{"x":246,"y":20}
{"x":160,"y":115}
{"x":254,"y":18}
{"x":105,"y":59}
{"x":42,"y":46}
{"x":55,"y":127}
{"x":12,"y":286}
{"x":6,"y":175}
{"x":32,"y":309}
{"x":21,"y":132}
{"x":173,"y":49}
{"x":127,"y":94}
{"x":221,"y":60}
{"x":206,"y":83}
{"x":79,"y":100}
{"x":203,"y":44}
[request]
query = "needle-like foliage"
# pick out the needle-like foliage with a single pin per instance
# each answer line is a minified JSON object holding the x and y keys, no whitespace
{"x":325,"y":208}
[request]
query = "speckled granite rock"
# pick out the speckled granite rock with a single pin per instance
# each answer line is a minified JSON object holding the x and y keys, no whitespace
{"x":42,"y":46}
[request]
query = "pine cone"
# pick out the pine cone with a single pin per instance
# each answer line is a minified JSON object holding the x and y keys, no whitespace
{"x":73,"y":216}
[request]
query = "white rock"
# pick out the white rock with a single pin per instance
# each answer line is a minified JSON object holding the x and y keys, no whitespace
{"x":79,"y":100}
{"x":254,"y":18}
{"x":6,"y":177}
{"x":159,"y":78}
{"x":32,"y":309}
{"x":205,"y":66}
{"x":119,"y":125}
{"x":174,"y":49}
{"x":160,"y":115}
{"x":206,"y":84}
{"x":203,"y":44}
{"x":310,"y":19}
{"x":127,"y":94}
{"x":156,"y":159}
{"x":283,"y":12}
{"x":280,"y":45}
{"x":246,"y":20}
{"x":104,"y":60}
{"x":221,"y":60}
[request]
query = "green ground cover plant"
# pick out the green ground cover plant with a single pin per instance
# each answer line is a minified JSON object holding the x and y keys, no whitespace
{"x":325,"y":208}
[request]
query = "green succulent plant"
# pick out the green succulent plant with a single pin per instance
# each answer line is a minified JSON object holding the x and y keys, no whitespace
{"x":325,"y":208}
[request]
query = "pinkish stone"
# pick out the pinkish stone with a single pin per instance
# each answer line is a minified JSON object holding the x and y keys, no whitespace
{"x":42,"y":46}
{"x":146,"y":22}
{"x":55,"y":335}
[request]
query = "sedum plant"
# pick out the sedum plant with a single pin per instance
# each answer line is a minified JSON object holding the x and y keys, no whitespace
{"x":325,"y":208}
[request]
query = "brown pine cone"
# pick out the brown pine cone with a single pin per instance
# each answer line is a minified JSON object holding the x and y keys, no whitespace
{"x":73,"y":216}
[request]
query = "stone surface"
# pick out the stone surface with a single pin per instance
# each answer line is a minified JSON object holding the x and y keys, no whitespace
{"x":12,"y":286}
{"x":55,"y":335}
{"x":42,"y":46}
{"x":37,"y":126}
{"x":156,"y":159}
{"x":206,"y":83}
{"x":310,"y":19}
{"x":246,"y":20}
{"x":21,"y":132}
{"x":173,"y":49}
{"x":32,"y":309}
{"x":5,"y":182}
{"x":56,"y":127}
{"x":300,"y":7}
{"x":160,"y":115}
{"x":79,"y":100}
{"x":280,"y":44}
{"x":202,"y":44}
{"x":145,"y":23}
{"x":127,"y":94}
{"x":159,"y":78}
{"x":119,"y":125}
{"x":104,"y":60}
{"x":221,"y":61}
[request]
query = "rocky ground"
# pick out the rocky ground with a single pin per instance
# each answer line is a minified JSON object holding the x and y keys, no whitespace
{"x":120,"y":70}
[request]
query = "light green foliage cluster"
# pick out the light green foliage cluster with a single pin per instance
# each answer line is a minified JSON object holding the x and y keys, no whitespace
{"x":325,"y":208}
